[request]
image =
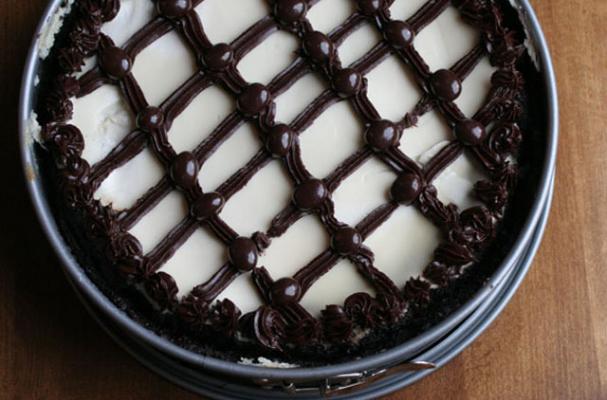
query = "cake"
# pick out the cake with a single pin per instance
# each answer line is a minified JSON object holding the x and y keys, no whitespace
{"x":301,"y":180}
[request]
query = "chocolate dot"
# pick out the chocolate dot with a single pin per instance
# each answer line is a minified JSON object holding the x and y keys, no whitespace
{"x":206,"y":206}
{"x":370,"y":7}
{"x":173,"y":9}
{"x":470,"y":132}
{"x":347,"y":82}
{"x":184,"y":170}
{"x":243,"y":254}
{"x":310,"y":195}
{"x":285,"y":291}
{"x":346,"y":240}
{"x":115,"y":62}
{"x":150,"y":119}
{"x":290,"y":11}
{"x":218,"y":57}
{"x":399,"y":34}
{"x":253,"y":99}
{"x":279,"y":140}
{"x":382,"y":135}
{"x":318,"y":46}
{"x":445,"y":85}
{"x":406,"y":188}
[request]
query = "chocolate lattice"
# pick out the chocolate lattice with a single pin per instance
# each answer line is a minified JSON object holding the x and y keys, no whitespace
{"x":282,"y":320}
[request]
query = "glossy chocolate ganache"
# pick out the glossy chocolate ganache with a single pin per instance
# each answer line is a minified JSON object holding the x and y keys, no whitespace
{"x":299,"y":179}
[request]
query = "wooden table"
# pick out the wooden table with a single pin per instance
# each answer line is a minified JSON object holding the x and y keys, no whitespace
{"x":550,"y":342}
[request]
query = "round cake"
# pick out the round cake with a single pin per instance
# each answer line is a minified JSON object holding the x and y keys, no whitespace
{"x":301,"y":180}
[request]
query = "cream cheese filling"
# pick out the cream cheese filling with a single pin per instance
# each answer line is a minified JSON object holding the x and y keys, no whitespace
{"x":403,"y":245}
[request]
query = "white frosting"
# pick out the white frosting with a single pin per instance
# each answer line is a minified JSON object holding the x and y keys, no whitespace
{"x":336,"y":134}
{"x":292,"y":102}
{"x":128,"y":183}
{"x":52,"y":26}
{"x":156,"y":70}
{"x":186,"y":136}
{"x":104,"y":119}
{"x":266,"y":362}
{"x":480,"y":82}
{"x":363,"y":191}
{"x":232,"y":155}
{"x":402,"y":246}
{"x":420,"y":141}
{"x":133,"y":15}
{"x":404,"y":9}
{"x":32,"y":128}
{"x":240,"y":14}
{"x":158,"y":223}
{"x":341,"y":281}
{"x":197,"y":261}
{"x":392,"y":89}
{"x":249,"y":210}
{"x":278,"y":51}
{"x":358,"y":44}
{"x":440,"y":45}
{"x":329,"y":14}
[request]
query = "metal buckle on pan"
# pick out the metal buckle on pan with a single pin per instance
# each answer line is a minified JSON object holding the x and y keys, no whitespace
{"x":344,"y":382}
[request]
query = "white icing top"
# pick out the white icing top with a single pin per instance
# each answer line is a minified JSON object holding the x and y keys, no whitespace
{"x":52,"y":26}
{"x":403,"y":245}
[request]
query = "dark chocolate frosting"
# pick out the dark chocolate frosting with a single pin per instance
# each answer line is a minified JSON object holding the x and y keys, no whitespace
{"x":491,"y":136}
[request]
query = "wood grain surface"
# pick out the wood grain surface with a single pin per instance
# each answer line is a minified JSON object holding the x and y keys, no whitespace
{"x":549,"y":343}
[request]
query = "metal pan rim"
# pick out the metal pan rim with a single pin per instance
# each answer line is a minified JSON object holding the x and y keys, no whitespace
{"x":440,"y":354}
{"x":217,"y":365}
